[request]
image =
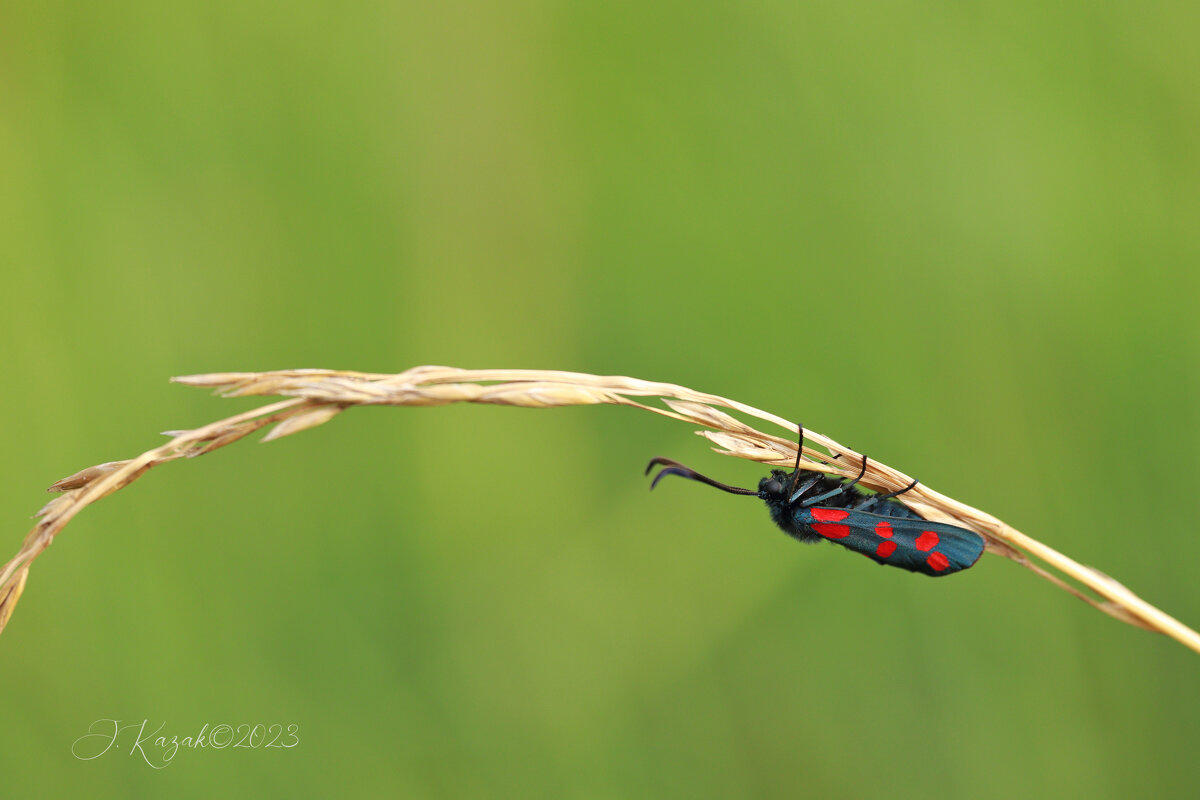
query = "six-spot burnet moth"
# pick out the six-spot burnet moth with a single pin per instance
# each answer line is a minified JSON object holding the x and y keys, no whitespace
{"x":813,"y":506}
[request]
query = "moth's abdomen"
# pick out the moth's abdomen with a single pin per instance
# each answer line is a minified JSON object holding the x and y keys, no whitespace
{"x":914,"y":544}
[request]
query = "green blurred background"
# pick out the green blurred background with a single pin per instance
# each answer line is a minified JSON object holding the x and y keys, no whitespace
{"x":961,"y":237}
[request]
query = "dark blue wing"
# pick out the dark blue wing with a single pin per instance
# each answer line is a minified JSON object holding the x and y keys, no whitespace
{"x":917,"y":545}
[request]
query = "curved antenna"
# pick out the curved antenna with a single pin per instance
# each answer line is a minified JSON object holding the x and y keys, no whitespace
{"x":675,"y":468}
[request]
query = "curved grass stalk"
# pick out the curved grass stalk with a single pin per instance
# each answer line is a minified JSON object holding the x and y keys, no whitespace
{"x":316,"y":396}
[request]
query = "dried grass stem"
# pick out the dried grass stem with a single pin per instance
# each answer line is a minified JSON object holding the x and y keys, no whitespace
{"x":319,"y":395}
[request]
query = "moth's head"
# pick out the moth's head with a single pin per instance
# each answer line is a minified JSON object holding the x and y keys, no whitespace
{"x":775,"y":486}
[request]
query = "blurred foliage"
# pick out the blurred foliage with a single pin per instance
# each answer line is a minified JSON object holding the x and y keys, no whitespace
{"x":959,"y":237}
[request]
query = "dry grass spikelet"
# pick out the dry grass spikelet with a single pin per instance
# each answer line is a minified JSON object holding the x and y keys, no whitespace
{"x":317,"y":395}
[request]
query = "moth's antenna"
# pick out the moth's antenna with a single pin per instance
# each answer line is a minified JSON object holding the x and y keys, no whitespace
{"x":675,"y":468}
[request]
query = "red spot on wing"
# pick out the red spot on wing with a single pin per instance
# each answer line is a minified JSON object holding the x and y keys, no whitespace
{"x":828,"y":514}
{"x":831,"y":531}
{"x":926,"y":541}
{"x":937,"y":562}
{"x":884,"y":529}
{"x":886,"y":548}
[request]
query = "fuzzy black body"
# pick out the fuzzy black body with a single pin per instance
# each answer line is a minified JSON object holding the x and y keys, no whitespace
{"x":774,"y":490}
{"x":881,"y":528}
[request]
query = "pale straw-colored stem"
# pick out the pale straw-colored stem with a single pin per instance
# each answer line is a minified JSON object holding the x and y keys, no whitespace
{"x":319,"y":395}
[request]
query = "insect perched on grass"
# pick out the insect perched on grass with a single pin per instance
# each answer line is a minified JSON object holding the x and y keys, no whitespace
{"x":813,"y":506}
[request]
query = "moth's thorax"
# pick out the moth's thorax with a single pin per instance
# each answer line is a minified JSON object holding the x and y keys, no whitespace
{"x":774,"y":491}
{"x":779,"y":485}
